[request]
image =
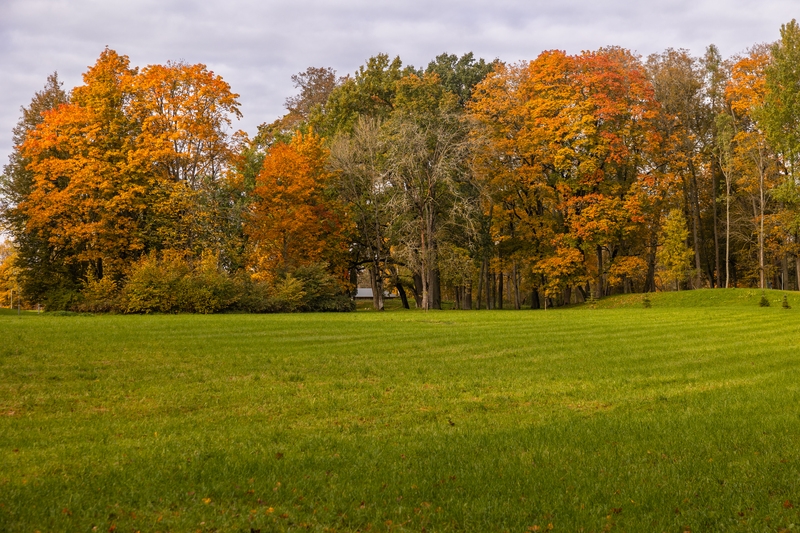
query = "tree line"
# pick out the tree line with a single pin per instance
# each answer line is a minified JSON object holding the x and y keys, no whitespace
{"x":540,"y":183}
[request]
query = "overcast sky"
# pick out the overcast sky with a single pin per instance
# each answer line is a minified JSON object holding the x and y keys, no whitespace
{"x":256,"y":45}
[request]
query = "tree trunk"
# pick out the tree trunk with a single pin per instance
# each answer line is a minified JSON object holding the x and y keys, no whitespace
{"x":797,"y":270}
{"x":761,"y":230}
{"x":696,"y":232}
{"x":489,"y":287}
{"x":402,"y":292}
{"x":727,"y":231}
{"x":399,"y":284}
{"x":535,"y":298}
{"x":580,"y":294}
{"x":600,"y":285}
{"x":376,"y":281}
{"x":717,"y":269}
{"x":517,"y":299}
{"x":650,"y":279}
{"x":480,"y":283}
{"x":468,"y":296}
{"x":435,"y":289}
{"x":418,"y":289}
{"x":500,"y":290}
{"x":785,"y":272}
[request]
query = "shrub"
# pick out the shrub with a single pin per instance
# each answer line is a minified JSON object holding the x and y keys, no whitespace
{"x":763,"y":302}
{"x":98,"y":296}
{"x":289,"y":296}
{"x":323,"y":292}
{"x":61,"y":299}
{"x":155,"y":286}
{"x":173,"y":283}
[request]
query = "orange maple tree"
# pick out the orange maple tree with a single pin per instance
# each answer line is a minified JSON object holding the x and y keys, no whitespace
{"x":565,"y":142}
{"x":294,"y":221}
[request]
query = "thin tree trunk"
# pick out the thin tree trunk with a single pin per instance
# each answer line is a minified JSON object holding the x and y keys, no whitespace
{"x":436,"y":290}
{"x":717,"y":269}
{"x":727,"y":231}
{"x":418,"y":289}
{"x":517,"y":299}
{"x":797,"y":270}
{"x":468,"y":296}
{"x":500,"y":290}
{"x":650,"y":279}
{"x":489,"y":289}
{"x":480,"y":282}
{"x":600,"y":284}
{"x":785,"y":272}
{"x":403,"y":297}
{"x":696,"y":231}
{"x":535,"y":298}
{"x":761,"y":230}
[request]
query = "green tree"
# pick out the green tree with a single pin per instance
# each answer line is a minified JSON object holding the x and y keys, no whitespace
{"x":43,"y":272}
{"x":780,"y":119}
{"x":370,"y":92}
{"x":460,"y":75}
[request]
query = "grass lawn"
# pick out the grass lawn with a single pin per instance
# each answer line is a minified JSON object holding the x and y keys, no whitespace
{"x":684,"y":416}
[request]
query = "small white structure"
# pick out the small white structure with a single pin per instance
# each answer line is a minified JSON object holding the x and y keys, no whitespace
{"x":365,"y":293}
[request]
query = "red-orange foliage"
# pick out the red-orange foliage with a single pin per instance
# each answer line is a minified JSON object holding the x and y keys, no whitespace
{"x":84,"y":196}
{"x":114,"y":170}
{"x":294,"y":221}
{"x":565,"y":138}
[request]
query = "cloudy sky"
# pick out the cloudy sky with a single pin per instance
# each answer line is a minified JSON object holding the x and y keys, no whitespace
{"x":256,"y":45}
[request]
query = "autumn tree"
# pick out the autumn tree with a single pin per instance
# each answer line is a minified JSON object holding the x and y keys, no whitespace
{"x":370,"y":92}
{"x":132,"y":162}
{"x":184,"y":113}
{"x":426,"y":160}
{"x":85,"y":197}
{"x":294,"y":220}
{"x":685,"y":125}
{"x":745,"y":93}
{"x":565,"y":138}
{"x":460,"y":75}
{"x":673,"y":255}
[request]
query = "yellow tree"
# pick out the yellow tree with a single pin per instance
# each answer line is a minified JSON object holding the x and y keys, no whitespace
{"x":753,"y":161}
{"x":184,"y":113}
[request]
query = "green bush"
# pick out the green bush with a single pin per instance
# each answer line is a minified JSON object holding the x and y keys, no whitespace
{"x":289,"y":295}
{"x":763,"y":302}
{"x":323,"y":292}
{"x":61,"y":299}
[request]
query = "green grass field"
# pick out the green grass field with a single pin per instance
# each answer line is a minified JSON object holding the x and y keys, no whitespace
{"x":684,"y":416}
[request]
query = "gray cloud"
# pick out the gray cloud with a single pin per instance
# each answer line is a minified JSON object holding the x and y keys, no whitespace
{"x":257,"y":45}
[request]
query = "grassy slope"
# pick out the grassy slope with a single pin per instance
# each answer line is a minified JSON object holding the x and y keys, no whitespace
{"x":631,"y":419}
{"x":702,"y":298}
